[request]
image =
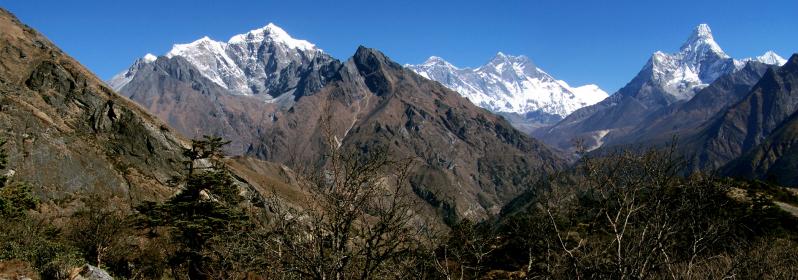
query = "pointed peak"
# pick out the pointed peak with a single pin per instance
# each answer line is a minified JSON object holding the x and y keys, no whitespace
{"x":147,"y":58}
{"x":204,"y":39}
{"x":702,"y":31}
{"x":769,"y":57}
{"x":201,"y":43}
{"x":271,"y":32}
{"x":364,"y":53}
{"x":522,"y":58}
{"x":702,"y":41}
{"x":434,"y":59}
{"x":373,"y":58}
{"x":502,"y":57}
{"x":274,"y":27}
{"x":772,"y":58}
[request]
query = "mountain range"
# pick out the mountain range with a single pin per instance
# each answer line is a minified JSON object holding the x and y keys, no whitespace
{"x":365,"y":168}
{"x":281,"y":101}
{"x":277,"y":98}
{"x":244,"y":89}
{"x":513,"y":86}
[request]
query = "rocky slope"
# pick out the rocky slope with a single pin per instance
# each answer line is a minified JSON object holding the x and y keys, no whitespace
{"x":512,"y":85}
{"x":746,"y":127}
{"x":666,"y":79}
{"x":470,"y":161}
{"x":776,"y":159}
{"x":68,"y":133}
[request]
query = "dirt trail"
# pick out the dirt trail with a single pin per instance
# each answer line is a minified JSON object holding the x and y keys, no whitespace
{"x":787,"y":207}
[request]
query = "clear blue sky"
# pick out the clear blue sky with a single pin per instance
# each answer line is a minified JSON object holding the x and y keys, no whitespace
{"x":602,"y":42}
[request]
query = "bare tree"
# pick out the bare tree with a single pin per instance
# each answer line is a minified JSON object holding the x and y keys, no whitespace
{"x":630,"y":215}
{"x":100,"y":229}
{"x":358,"y":222}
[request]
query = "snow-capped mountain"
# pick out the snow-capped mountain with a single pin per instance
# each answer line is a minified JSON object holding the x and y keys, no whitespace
{"x":511,"y":84}
{"x":699,"y":62}
{"x":770,"y":57}
{"x":665,"y":80}
{"x":120,"y":80}
{"x":265,"y":62}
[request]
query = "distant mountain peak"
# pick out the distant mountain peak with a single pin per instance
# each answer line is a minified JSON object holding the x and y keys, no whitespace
{"x":202,"y":44}
{"x":701,"y":41}
{"x":698,"y":63}
{"x":513,"y":65}
{"x":771,"y":57}
{"x":433,"y":60}
{"x":510,"y":84}
{"x":702,"y":31}
{"x":248,"y":64}
{"x":149,"y":57}
{"x":502,"y":57}
{"x":274,"y":33}
{"x":373,"y":59}
{"x":120,"y":80}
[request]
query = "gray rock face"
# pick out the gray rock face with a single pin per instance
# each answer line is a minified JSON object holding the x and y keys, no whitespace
{"x":89,"y":272}
{"x":68,"y":133}
{"x":776,"y":159}
{"x":742,"y":127}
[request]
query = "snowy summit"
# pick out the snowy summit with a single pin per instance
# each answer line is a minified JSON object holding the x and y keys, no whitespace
{"x":511,"y":84}
{"x":273,"y":33}
{"x":698,"y":63}
{"x":243,"y":65}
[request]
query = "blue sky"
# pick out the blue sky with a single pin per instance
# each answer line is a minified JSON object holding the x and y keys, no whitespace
{"x":602,"y":42}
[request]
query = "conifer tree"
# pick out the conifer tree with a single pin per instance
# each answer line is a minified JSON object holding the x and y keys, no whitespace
{"x":206,"y":206}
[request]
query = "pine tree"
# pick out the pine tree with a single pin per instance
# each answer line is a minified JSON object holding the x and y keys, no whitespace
{"x":206,"y":206}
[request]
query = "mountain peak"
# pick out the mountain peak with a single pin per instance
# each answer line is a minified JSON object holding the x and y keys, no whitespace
{"x":149,"y":57}
{"x":772,"y":58}
{"x":205,"y":43}
{"x":703,"y":31}
{"x":512,"y":84}
{"x":364,"y":51}
{"x":504,"y":58}
{"x":434,"y":60}
{"x":372,"y":58}
{"x":701,"y":41}
{"x":274,"y":33}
